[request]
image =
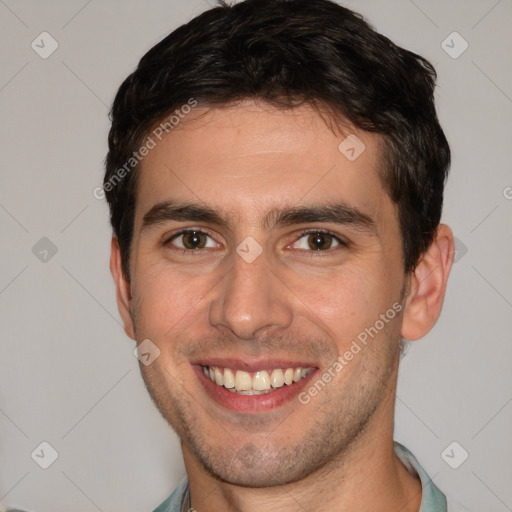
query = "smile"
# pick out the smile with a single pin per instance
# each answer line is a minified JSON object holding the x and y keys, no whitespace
{"x":254,"y":383}
{"x":253,"y":387}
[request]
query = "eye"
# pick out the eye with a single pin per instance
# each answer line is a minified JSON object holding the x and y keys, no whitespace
{"x":317,"y":241}
{"x":191,"y":239}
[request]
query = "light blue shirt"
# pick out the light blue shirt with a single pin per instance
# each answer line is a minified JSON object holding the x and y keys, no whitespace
{"x":432,"y":500}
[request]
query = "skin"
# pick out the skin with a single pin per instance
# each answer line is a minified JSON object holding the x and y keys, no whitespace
{"x":293,"y":302}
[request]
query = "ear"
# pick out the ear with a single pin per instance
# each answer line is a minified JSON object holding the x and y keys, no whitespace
{"x":123,"y":289}
{"x":427,"y":286}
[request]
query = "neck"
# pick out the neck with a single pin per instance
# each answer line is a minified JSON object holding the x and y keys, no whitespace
{"x":367,"y":474}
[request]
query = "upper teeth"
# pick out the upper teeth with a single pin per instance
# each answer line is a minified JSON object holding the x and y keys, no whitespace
{"x":254,"y":383}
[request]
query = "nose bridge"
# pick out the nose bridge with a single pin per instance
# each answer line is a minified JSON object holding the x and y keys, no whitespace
{"x":249,"y":300}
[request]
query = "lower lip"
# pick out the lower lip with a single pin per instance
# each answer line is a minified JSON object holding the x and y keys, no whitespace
{"x":252,"y":403}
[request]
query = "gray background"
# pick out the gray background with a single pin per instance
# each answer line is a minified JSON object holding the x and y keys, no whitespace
{"x":67,"y":372}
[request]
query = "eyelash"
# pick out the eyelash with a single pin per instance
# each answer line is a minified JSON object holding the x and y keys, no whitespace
{"x":342,"y":243}
{"x":312,"y":253}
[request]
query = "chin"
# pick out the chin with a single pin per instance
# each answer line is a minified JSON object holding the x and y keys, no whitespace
{"x":256,"y":466}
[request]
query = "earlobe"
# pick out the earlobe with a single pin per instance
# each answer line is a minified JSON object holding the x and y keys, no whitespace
{"x":428,"y":286}
{"x":123,"y":289}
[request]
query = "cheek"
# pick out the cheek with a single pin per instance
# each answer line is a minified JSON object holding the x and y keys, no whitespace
{"x":168,"y":300}
{"x":349,"y":301}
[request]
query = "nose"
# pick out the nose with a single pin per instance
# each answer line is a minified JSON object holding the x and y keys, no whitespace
{"x":251,"y":300}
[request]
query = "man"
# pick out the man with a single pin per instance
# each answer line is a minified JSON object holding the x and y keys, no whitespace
{"x":275,"y":179}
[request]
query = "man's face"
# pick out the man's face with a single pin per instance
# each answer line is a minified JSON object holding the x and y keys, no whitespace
{"x":274,"y":280}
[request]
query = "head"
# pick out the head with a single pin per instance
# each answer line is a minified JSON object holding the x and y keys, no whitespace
{"x":301,"y":153}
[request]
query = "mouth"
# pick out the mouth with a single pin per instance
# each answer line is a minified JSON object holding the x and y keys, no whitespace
{"x":255,"y":383}
{"x":258,"y":390}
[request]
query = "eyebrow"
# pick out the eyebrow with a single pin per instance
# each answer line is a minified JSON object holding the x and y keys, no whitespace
{"x":335,"y":213}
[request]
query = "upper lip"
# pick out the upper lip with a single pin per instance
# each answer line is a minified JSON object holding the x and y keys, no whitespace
{"x":252,"y":364}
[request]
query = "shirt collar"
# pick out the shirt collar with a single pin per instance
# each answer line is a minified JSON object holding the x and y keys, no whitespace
{"x":432,"y":499}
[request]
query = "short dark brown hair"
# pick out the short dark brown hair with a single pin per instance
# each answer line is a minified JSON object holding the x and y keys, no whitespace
{"x":285,"y":53}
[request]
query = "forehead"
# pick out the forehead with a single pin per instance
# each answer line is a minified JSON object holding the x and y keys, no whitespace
{"x":251,"y":158}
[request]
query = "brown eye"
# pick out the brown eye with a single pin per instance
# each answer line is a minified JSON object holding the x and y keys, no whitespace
{"x":194,"y":240}
{"x":320,"y":241}
{"x":191,"y":240}
{"x":317,"y":241}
